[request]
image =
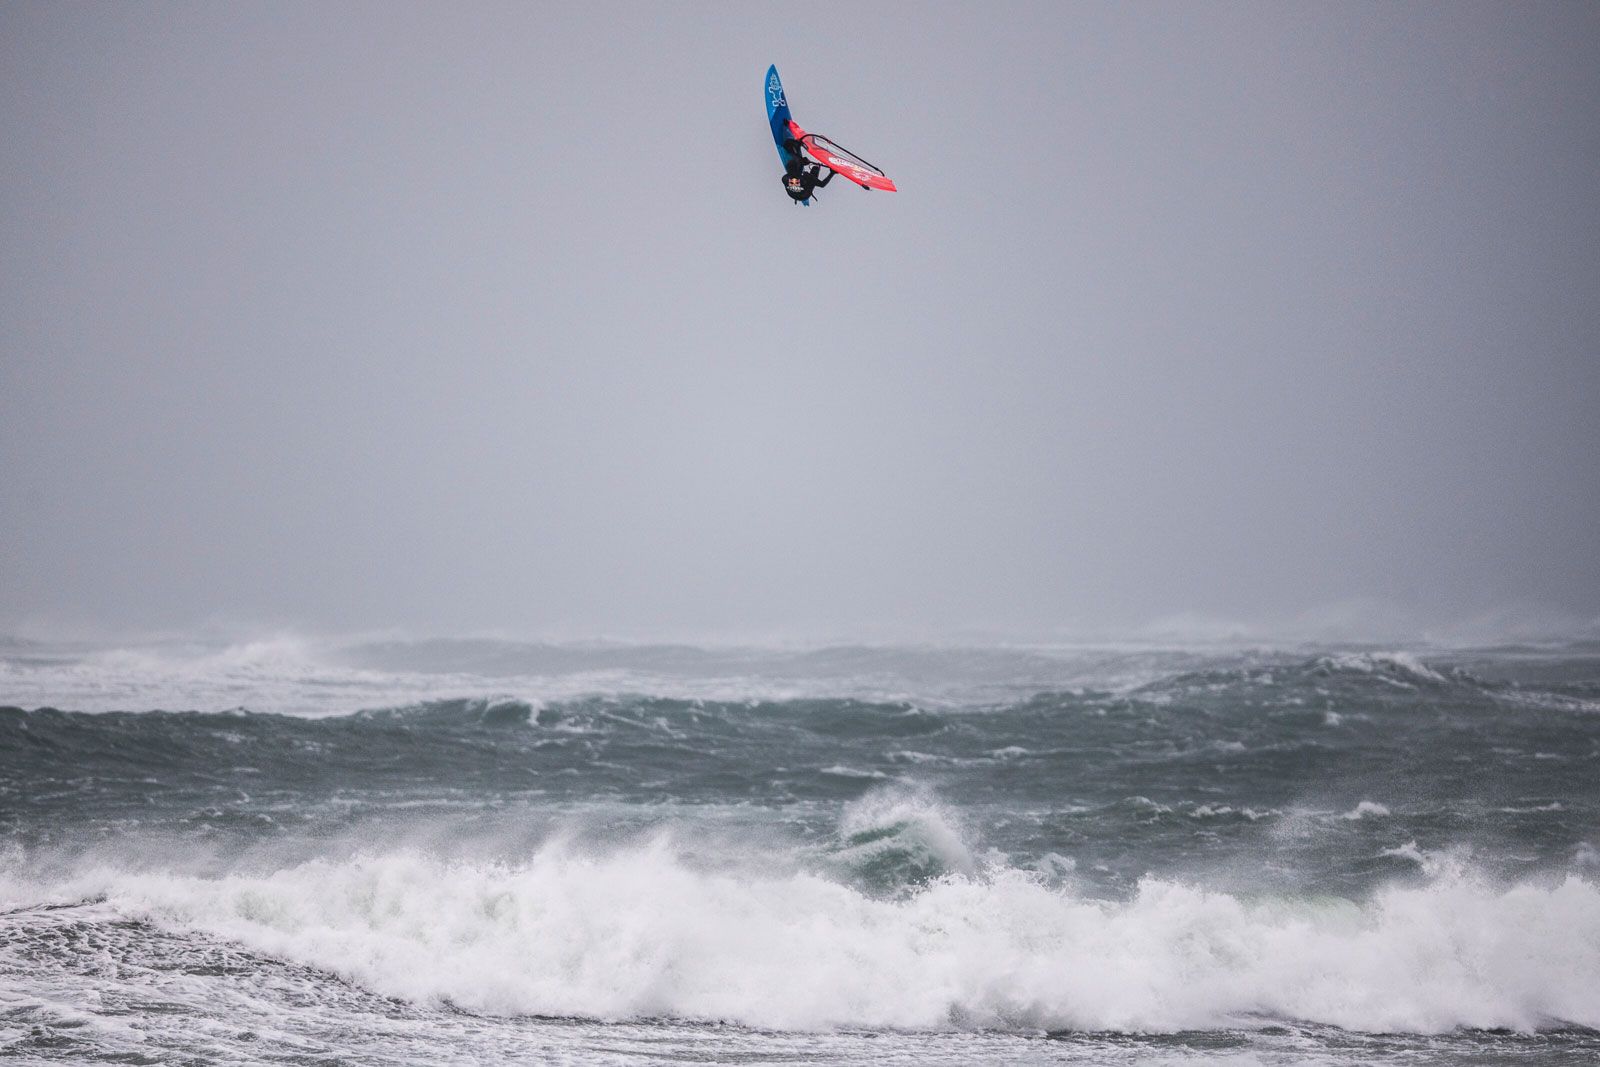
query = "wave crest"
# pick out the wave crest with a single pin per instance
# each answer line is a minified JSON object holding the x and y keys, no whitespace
{"x":643,"y":933}
{"x":894,"y":839}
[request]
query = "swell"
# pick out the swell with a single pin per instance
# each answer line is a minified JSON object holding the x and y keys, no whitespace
{"x":1330,"y":714}
{"x":1258,"y":737}
{"x":1347,"y":683}
{"x":474,"y":737}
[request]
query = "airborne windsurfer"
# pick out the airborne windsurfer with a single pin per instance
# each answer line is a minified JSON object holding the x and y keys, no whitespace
{"x":801,"y":176}
{"x":810,"y":160}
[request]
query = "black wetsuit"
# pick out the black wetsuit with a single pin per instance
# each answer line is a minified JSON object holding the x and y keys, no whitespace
{"x":807,"y":172}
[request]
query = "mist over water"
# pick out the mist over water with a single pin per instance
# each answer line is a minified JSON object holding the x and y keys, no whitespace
{"x":485,"y":848}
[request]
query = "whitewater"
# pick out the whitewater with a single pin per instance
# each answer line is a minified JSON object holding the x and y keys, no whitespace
{"x":294,"y":851}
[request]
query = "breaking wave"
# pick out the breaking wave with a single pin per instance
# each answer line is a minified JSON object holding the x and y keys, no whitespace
{"x":645,"y":932}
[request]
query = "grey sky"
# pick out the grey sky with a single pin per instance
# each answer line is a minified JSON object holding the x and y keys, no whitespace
{"x":355,"y":316}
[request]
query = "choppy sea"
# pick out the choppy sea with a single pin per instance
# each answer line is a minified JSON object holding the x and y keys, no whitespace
{"x":475,"y":851}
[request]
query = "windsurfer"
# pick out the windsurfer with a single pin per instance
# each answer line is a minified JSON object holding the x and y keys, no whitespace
{"x":801,"y":177}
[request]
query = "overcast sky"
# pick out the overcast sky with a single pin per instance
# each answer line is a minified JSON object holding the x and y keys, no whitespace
{"x":454,"y":318}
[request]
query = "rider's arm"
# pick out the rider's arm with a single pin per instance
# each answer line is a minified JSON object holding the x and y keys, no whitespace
{"x":825,"y":180}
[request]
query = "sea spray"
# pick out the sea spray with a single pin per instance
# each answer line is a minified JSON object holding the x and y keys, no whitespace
{"x":896,"y":839}
{"x":639,"y":932}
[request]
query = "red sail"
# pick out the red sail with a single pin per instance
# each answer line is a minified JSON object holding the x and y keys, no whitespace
{"x":841,"y":160}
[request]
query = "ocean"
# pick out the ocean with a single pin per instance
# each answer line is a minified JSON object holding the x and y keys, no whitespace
{"x":488,"y":851}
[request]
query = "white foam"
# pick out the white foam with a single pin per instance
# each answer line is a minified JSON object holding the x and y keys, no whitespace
{"x":1395,"y":666}
{"x":1214,"y":811}
{"x":642,"y":932}
{"x":1366,"y":809}
{"x":839,"y":770}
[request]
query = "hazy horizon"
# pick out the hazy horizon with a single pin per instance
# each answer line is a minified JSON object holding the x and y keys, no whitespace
{"x":1239,"y":318}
